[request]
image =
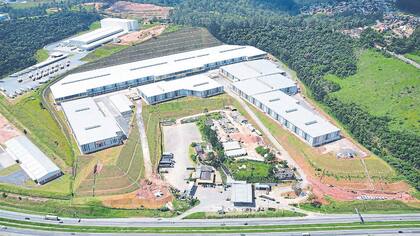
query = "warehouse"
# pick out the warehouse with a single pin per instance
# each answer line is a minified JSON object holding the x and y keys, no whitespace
{"x":248,"y":88}
{"x":105,"y":80}
{"x":197,"y":86}
{"x":242,"y":194}
{"x":111,"y":28}
{"x":250,"y":69}
{"x":92,"y":129}
{"x":34,"y":162}
{"x":305,"y":124}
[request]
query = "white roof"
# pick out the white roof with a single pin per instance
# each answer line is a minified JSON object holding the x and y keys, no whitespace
{"x":231,"y":145}
{"x":252,"y":69}
{"x":242,"y":193}
{"x":34,"y":162}
{"x":264,"y":84}
{"x":121,"y":102}
{"x":289,"y":108}
{"x":236,"y":152}
{"x":110,"y":20}
{"x":194,"y":83}
{"x":92,"y":36}
{"x":79,"y":83}
{"x":88,"y":122}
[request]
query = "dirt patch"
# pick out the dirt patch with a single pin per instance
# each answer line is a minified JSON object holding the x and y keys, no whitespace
{"x":153,"y":193}
{"x":141,"y":36}
{"x":146,"y":12}
{"x":7,"y":130}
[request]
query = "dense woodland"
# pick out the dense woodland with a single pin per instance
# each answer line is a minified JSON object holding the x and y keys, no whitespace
{"x":313,"y":47}
{"x":21,"y":38}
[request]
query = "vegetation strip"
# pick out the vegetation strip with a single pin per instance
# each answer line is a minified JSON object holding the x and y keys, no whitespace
{"x":215,"y":229}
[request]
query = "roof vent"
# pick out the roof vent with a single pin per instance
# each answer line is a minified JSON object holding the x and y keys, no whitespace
{"x":92,"y":127}
{"x":291,"y":110}
{"x":311,"y":122}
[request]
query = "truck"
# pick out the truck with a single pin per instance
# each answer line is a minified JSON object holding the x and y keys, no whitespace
{"x":51,"y":217}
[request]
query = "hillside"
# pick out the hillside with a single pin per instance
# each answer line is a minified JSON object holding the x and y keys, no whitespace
{"x":384,"y":86}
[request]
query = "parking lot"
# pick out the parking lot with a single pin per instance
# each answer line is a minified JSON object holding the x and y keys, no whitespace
{"x":177,"y":139}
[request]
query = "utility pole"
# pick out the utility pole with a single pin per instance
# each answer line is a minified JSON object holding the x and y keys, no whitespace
{"x":362,"y":221}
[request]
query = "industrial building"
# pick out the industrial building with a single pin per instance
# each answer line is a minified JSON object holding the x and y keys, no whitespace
{"x":123,"y":105}
{"x":196,"y":85}
{"x":111,"y":28}
{"x":92,"y":128}
{"x":242,"y":194}
{"x":34,"y":162}
{"x":251,"y":69}
{"x":106,"y":80}
{"x":255,"y":86}
{"x":304,"y":123}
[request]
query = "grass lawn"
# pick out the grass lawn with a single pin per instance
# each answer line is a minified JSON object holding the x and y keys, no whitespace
{"x":373,"y":207}
{"x":175,"y":109}
{"x":41,"y":55}
{"x":26,"y":113}
{"x":384,"y":87}
{"x":249,"y":170}
{"x":261,"y":214}
{"x":415,"y":56}
{"x":102,"y":52}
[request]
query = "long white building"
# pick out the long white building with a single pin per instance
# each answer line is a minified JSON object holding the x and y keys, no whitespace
{"x":251,"y":69}
{"x":196,"y":85}
{"x":92,"y":128}
{"x":111,"y":28}
{"x":138,"y":73}
{"x":34,"y":162}
{"x":304,"y":123}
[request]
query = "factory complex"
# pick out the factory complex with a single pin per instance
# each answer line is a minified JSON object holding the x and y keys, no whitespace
{"x":110,"y":79}
{"x":111,"y":28}
{"x":264,"y":85}
{"x":100,"y":120}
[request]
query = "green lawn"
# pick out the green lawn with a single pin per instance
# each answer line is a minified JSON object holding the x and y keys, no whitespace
{"x":27,"y":114}
{"x":261,"y":214}
{"x":249,"y":170}
{"x":41,"y":55}
{"x":373,"y":207}
{"x":384,"y":87}
{"x":102,"y":52}
{"x":415,"y":56}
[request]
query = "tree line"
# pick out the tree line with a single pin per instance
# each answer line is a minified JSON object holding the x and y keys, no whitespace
{"x":21,"y":38}
{"x":313,"y":47}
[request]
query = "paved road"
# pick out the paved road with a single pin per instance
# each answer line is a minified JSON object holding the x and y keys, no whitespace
{"x":143,"y":138}
{"x":405,"y":231}
{"x":266,"y":132}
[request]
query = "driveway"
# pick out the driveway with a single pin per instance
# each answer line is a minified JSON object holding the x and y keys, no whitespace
{"x":177,"y":139}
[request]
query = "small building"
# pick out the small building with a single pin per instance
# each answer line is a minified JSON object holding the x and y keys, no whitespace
{"x":284,"y":174}
{"x":32,"y":160}
{"x":265,"y":187}
{"x":231,"y":145}
{"x":205,"y":175}
{"x":123,"y":104}
{"x":197,"y":86}
{"x":242,"y":195}
{"x":236,"y":153}
{"x":167,"y":160}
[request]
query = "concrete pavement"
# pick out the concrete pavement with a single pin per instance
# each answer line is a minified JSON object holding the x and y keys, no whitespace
{"x":143,"y":139}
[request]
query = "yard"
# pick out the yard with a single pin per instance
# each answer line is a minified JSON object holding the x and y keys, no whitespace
{"x":172,"y":110}
{"x":251,"y":171}
{"x":384,"y":87}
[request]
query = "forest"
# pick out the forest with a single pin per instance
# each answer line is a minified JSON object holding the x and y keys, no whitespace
{"x":17,"y":47}
{"x":313,"y":47}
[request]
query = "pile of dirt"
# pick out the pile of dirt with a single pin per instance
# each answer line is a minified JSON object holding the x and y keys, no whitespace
{"x":141,"y":36}
{"x":153,"y":193}
{"x":7,"y":130}
{"x":139,"y":10}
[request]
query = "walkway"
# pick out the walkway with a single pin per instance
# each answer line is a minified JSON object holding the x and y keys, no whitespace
{"x":143,"y":138}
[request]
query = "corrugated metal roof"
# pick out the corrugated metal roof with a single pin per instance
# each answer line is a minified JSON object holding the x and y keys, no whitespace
{"x":242,"y":193}
{"x":34,"y":162}
{"x":79,"y":83}
{"x":264,"y":84}
{"x":252,"y":69}
{"x":88,"y":122}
